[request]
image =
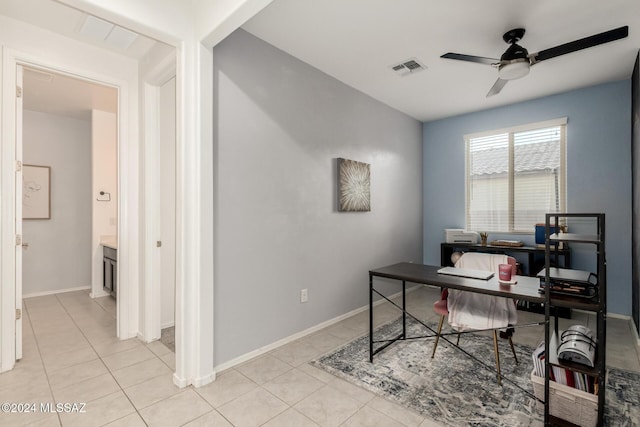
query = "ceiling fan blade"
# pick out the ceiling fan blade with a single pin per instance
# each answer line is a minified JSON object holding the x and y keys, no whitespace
{"x":587,"y":42}
{"x":470,"y":58}
{"x":497,"y":87}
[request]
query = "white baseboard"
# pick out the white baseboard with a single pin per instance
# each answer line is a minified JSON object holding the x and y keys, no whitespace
{"x":629,"y":319}
{"x":199,"y":382}
{"x":167,"y":325}
{"x":609,"y":314}
{"x":620,"y":316}
{"x":99,"y":294}
{"x":269,"y":347}
{"x":56,"y":291}
{"x":179,"y":382}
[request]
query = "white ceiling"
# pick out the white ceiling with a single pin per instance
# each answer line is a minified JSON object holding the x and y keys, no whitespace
{"x":64,"y":95}
{"x":53,"y":93}
{"x":357,"y":41}
{"x":64,"y":20}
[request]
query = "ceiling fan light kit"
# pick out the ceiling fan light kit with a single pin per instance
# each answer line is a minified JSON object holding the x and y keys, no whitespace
{"x":514,"y":70}
{"x":516,"y":61}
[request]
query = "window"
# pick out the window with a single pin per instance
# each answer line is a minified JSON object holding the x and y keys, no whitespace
{"x":515,"y":176}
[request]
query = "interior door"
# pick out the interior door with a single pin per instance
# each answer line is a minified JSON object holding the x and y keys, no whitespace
{"x":167,"y":198}
{"x":18,"y":212}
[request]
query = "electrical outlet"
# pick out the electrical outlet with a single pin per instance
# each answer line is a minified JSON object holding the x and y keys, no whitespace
{"x":304,"y":295}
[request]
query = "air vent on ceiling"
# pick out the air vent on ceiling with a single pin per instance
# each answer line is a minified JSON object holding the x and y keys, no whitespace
{"x":103,"y":31}
{"x":407,"y":67}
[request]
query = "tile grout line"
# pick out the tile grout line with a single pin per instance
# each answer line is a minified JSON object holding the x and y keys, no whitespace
{"x":44,"y":367}
{"x":102,"y":361}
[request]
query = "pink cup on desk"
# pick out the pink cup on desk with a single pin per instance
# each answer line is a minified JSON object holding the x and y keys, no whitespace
{"x":504,"y":272}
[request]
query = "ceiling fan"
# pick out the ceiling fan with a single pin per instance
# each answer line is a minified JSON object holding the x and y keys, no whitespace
{"x":516,"y":60}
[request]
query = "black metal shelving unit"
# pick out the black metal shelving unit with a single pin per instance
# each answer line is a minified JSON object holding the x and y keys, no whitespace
{"x":596,"y":304}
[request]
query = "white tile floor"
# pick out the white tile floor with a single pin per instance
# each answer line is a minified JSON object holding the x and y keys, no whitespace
{"x":71,"y":355}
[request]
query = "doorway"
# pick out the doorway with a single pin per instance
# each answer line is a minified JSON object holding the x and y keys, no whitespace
{"x":167,"y":211}
{"x":69,"y":133}
{"x":70,"y":127}
{"x":130,"y":217}
{"x":160,"y":157}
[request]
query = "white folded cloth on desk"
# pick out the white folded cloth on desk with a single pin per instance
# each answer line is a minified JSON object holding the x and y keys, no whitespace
{"x":470,"y":310}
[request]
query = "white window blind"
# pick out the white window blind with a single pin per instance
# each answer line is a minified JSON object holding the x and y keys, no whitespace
{"x":515,"y":176}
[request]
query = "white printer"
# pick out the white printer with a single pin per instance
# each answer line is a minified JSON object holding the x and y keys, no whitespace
{"x":458,"y":235}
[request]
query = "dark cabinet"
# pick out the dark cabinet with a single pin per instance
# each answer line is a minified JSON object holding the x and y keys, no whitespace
{"x":110,"y":270}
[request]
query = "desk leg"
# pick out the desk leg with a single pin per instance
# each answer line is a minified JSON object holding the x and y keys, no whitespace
{"x":370,"y":318}
{"x":404,"y":310}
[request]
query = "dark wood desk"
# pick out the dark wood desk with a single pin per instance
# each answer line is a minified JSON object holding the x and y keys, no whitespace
{"x":526,"y":289}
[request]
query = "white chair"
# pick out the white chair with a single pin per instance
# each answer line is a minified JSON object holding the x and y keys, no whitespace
{"x":472,"y":311}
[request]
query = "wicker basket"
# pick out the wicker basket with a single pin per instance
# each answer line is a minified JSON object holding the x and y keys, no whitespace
{"x":568,"y":403}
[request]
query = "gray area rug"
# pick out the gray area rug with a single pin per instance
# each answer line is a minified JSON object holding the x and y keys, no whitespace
{"x":455,"y":390}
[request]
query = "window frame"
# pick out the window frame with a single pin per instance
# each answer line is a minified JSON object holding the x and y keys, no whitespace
{"x":559,"y":122}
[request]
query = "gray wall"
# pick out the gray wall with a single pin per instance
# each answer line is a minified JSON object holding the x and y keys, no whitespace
{"x":279,"y":127}
{"x":59,"y":253}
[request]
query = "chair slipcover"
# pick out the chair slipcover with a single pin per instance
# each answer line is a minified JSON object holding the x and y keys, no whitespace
{"x":469,"y":310}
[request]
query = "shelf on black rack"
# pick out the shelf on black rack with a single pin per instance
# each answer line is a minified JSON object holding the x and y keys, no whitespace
{"x":573,"y":237}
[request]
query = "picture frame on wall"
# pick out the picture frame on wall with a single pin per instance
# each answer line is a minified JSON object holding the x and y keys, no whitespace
{"x":36,"y":192}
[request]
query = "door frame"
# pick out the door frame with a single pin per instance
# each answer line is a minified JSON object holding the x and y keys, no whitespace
{"x":127,"y":310}
{"x":152,"y":291}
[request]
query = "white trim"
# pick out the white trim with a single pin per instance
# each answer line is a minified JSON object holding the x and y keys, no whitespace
{"x":99,"y":294}
{"x":270,"y":347}
{"x":618,"y":316}
{"x":609,"y":314}
{"x":127,"y":306}
{"x":7,"y":214}
{"x":202,"y":381}
{"x":628,"y":318}
{"x":509,"y":221}
{"x":520,"y":128}
{"x":167,"y":325}
{"x":151,"y":294}
{"x":57,"y":291}
{"x":164,"y":71}
{"x":178,"y":381}
{"x":182,"y":367}
{"x":194,"y":216}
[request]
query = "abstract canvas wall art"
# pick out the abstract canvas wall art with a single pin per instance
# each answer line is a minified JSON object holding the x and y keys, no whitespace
{"x":354,"y":186}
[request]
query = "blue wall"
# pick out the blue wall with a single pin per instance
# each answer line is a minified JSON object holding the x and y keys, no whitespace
{"x":598,"y":172}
